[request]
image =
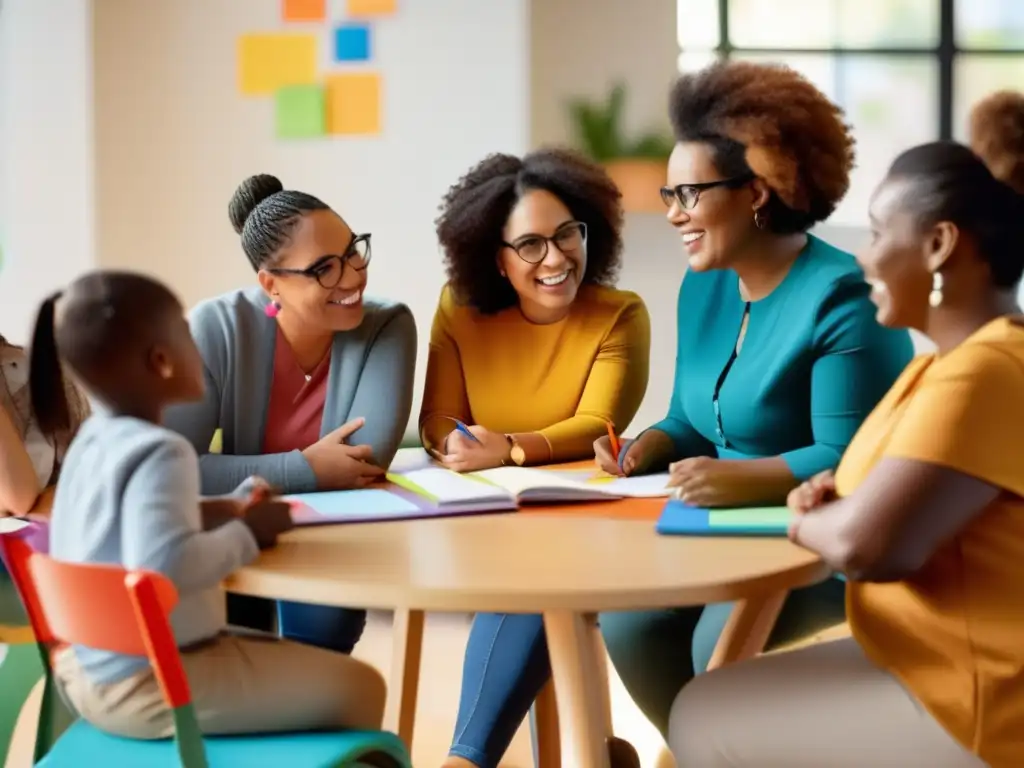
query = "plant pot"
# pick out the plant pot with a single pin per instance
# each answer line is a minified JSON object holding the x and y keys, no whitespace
{"x":640,"y":182}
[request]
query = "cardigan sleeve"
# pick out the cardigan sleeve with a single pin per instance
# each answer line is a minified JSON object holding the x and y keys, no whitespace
{"x":214,"y":328}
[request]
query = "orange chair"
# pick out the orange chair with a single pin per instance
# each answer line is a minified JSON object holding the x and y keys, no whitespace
{"x":63,"y":603}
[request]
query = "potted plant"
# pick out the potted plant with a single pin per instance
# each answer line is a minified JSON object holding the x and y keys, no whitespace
{"x":636,"y":165}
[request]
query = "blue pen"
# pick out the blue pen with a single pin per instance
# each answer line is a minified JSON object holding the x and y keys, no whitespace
{"x":465,"y":430}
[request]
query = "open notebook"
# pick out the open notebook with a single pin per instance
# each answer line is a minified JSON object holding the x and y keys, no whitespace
{"x":508,"y":487}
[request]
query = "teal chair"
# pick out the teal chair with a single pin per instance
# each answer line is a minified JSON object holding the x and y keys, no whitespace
{"x":61,"y":599}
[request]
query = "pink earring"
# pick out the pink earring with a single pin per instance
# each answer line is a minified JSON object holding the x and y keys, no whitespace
{"x":272,"y":309}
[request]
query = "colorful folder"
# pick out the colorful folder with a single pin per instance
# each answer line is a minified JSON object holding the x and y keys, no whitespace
{"x":680,"y":519}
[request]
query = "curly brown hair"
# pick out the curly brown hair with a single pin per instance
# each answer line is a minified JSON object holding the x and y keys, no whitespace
{"x":474,"y":211}
{"x":997,"y":135}
{"x":770,"y":120}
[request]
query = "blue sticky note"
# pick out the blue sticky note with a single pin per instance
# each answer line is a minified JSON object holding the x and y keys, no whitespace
{"x":363,"y":504}
{"x":352,"y":42}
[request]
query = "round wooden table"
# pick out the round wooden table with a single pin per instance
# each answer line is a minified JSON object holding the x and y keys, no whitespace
{"x":564,"y":566}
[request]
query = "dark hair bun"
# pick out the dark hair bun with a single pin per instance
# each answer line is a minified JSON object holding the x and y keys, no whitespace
{"x":249,"y":194}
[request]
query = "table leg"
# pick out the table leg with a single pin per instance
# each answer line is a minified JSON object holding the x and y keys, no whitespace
{"x":546,"y":743}
{"x":406,"y":654}
{"x":748,"y":628}
{"x":581,"y":689}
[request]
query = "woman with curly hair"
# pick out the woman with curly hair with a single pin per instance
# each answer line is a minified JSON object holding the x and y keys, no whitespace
{"x":532,"y":247}
{"x":997,"y":135}
{"x":534,"y":350}
{"x":779,"y":357}
{"x":925,"y":515}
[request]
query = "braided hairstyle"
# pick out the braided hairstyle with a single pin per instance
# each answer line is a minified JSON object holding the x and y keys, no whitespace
{"x":265,"y":214}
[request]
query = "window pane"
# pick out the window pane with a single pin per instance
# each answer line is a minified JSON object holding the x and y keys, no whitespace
{"x":691,"y":61}
{"x":834,"y":23}
{"x":697,"y":23}
{"x":975,"y":77}
{"x":891,"y":102}
{"x":989,"y":24}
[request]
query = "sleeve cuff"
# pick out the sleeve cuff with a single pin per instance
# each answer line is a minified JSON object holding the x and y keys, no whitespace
{"x":536,"y":447}
{"x":805,"y":463}
{"x":299,"y":475}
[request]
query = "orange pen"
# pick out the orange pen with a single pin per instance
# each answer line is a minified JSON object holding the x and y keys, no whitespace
{"x":614,"y":440}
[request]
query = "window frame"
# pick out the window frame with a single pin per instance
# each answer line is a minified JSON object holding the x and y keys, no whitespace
{"x":946,"y":53}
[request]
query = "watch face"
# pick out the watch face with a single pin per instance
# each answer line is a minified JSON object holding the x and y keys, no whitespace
{"x":518,"y":455}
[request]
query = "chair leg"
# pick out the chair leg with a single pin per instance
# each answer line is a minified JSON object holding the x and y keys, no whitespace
{"x":547,"y":747}
{"x":406,"y":655}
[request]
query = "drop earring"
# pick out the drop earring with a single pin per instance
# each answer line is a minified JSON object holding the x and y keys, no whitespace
{"x":935,"y":297}
{"x":273,"y":309}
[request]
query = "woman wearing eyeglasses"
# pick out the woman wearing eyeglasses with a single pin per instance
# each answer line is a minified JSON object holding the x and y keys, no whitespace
{"x":779,"y":356}
{"x":309,"y":381}
{"x":535,"y":352}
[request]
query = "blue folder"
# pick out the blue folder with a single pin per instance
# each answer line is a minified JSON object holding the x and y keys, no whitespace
{"x":680,"y":519}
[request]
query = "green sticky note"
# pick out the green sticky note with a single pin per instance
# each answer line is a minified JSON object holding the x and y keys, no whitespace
{"x":750,"y":517}
{"x":300,"y":112}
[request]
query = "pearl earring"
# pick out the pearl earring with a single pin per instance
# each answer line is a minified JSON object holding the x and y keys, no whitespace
{"x":935,"y":297}
{"x":272,"y":309}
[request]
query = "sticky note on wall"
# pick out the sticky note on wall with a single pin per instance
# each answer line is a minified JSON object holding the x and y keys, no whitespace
{"x":370,"y":7}
{"x":300,"y":112}
{"x":268,"y":62}
{"x":352,"y":42}
{"x":354,"y":103}
{"x":304,"y":10}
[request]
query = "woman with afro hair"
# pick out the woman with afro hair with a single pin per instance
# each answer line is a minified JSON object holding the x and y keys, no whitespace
{"x":780,"y":357}
{"x":535,"y":352}
{"x":997,"y":136}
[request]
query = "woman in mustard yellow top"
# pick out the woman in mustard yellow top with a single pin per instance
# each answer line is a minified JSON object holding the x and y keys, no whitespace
{"x":925,"y":516}
{"x":534,"y":350}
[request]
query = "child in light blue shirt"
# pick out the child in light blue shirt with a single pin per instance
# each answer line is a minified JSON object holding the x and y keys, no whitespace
{"x":129,"y":495}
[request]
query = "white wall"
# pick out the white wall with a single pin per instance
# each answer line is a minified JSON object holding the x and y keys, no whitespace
{"x":174,"y":137}
{"x":46,"y":153}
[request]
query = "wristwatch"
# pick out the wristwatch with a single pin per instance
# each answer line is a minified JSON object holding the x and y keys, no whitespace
{"x":516,"y":452}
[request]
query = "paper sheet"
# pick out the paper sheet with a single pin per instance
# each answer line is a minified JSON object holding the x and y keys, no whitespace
{"x":352,"y":42}
{"x":303,"y":10}
{"x":371,"y":7}
{"x":638,"y":487}
{"x":449,"y":487}
{"x":12,"y":524}
{"x":366,"y":502}
{"x":354,"y":103}
{"x":268,"y":62}
{"x":300,"y":112}
{"x":750,"y":517}
{"x":409,"y":460}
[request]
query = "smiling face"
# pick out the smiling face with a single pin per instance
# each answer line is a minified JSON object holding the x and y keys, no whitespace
{"x":722,"y":219}
{"x":308,"y":263}
{"x":547,"y":288}
{"x":899,"y":261}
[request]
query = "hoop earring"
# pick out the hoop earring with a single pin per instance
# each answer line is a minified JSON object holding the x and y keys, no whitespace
{"x":760,"y":219}
{"x":273,"y":309}
{"x":935,"y":297}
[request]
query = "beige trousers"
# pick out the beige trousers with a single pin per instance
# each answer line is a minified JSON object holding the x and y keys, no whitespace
{"x":824,"y":706}
{"x":239,"y":684}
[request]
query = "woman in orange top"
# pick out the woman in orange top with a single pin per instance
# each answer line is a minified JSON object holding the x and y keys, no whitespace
{"x":925,"y":516}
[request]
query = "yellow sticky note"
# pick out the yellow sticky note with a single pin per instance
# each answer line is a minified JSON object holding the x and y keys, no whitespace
{"x":268,"y":62}
{"x":371,"y":7}
{"x":354,"y":103}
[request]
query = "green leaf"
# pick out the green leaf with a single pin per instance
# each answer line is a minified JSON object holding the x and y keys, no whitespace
{"x":598,"y":131}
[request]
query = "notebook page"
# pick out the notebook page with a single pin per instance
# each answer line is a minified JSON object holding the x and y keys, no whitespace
{"x":518,"y":480}
{"x":636,"y":487}
{"x":449,"y":487}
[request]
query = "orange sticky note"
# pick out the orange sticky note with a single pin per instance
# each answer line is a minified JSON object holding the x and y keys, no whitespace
{"x":354,"y":103}
{"x":304,"y":10}
{"x":269,"y":62}
{"x":371,"y":7}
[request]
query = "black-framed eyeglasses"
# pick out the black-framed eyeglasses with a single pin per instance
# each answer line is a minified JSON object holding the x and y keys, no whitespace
{"x":328,"y":270}
{"x":687,"y":195}
{"x":569,"y":238}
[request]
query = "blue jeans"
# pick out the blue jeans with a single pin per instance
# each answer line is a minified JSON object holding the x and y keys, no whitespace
{"x":336,"y":629}
{"x":506,"y":663}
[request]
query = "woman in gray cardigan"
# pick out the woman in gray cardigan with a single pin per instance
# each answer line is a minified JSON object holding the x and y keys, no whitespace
{"x":309,"y":382}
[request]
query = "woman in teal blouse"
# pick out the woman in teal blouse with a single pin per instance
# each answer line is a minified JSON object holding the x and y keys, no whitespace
{"x":779,"y":357}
